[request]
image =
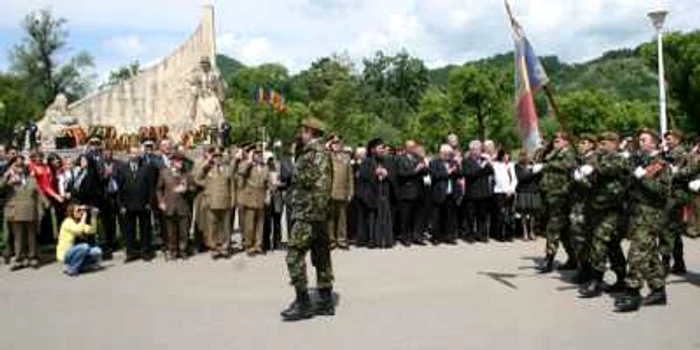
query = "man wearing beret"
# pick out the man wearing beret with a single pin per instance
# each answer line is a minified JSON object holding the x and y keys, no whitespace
{"x":310,"y":199}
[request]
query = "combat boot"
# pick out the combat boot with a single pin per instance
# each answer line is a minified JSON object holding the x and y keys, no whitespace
{"x":300,"y":308}
{"x":657,"y":297}
{"x":666,"y":264}
{"x":326,"y":306}
{"x":583,"y":276}
{"x":594,"y":288}
{"x":630,"y":302}
{"x":547,"y":265}
{"x":679,"y":268}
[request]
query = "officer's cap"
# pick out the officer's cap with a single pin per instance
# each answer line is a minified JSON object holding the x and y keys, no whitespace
{"x":313,"y":123}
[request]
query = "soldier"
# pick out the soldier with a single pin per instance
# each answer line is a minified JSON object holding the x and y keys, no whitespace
{"x":579,"y":217}
{"x":649,"y":192}
{"x":172,"y":189}
{"x":216,"y":178}
{"x":608,"y":180}
{"x":23,"y":210}
{"x":311,"y":190}
{"x":342,"y":192}
{"x":254,"y":179}
{"x":556,"y":184}
{"x":671,"y":239}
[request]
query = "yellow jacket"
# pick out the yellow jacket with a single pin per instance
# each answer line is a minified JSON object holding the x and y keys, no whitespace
{"x":69,"y":231}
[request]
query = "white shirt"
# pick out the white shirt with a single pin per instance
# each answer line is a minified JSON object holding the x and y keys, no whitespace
{"x":504,"y":177}
{"x":64,"y":177}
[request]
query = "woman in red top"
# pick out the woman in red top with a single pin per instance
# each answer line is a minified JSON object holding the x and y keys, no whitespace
{"x":44,"y":177}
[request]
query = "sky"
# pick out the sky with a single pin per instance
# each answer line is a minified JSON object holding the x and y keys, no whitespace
{"x":296,"y":32}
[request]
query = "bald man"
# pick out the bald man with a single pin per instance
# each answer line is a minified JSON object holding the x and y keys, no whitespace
{"x":411,"y":170}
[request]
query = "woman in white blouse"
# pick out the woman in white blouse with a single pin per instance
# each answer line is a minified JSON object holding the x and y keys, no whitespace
{"x":505,"y":183}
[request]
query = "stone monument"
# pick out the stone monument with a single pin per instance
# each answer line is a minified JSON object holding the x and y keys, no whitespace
{"x":182,"y":91}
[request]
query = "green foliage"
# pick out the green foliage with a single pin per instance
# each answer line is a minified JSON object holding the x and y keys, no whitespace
{"x":37,"y":59}
{"x":15,"y":105}
{"x":227,"y":65}
{"x":124,"y":73}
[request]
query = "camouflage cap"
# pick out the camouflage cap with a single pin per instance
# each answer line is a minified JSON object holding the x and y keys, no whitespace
{"x":588,"y":137}
{"x":648,"y":131}
{"x":313,"y":123}
{"x":674,"y":133}
{"x":609,"y":136}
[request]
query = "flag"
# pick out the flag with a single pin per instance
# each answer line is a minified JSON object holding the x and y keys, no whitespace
{"x":260,"y":95}
{"x":529,"y":78}
{"x":276,"y":101}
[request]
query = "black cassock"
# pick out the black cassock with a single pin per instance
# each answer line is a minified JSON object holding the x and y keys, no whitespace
{"x":375,"y":196}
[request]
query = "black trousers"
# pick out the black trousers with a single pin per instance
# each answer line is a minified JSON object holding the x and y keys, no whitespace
{"x":504,"y":222}
{"x":272,"y":230}
{"x":108,"y":215}
{"x":482,"y":213}
{"x":129,"y":222}
{"x":445,"y":220}
{"x":409,"y":224}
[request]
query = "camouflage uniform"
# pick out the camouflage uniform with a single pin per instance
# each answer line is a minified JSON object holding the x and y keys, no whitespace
{"x":671,"y":242}
{"x":649,"y":197}
{"x":579,"y":217}
{"x":310,"y":198}
{"x":609,"y":183}
{"x":556,"y":184}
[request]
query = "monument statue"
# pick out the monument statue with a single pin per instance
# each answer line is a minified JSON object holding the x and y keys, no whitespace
{"x":207,"y":94}
{"x":181,"y":91}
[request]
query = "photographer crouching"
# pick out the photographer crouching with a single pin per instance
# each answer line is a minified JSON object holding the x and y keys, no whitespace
{"x":73,"y":249}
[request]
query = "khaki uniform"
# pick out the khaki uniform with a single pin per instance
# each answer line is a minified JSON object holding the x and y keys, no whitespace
{"x":341,"y":193}
{"x":251,"y":199}
{"x":219,"y":198}
{"x":172,"y":192}
{"x":23,"y":210}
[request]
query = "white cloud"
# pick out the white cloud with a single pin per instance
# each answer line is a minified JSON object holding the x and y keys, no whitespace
{"x":126,"y":46}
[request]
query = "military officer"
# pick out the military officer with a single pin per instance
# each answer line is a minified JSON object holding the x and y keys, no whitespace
{"x":216,"y":177}
{"x":310,"y":198}
{"x":254,"y":180}
{"x":671,"y":239}
{"x":608,"y":178}
{"x":649,"y":192}
{"x":173,"y":186}
{"x":556,"y":184}
{"x":343,"y":189}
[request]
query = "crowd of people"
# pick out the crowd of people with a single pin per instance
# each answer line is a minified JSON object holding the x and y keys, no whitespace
{"x":587,"y":197}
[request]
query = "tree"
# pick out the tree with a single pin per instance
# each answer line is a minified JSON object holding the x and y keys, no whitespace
{"x":124,"y":73}
{"x":36,"y":60}
{"x":478,"y":93}
{"x":17,"y":105}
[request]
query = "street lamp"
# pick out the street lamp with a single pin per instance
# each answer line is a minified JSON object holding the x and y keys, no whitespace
{"x":657,"y":19}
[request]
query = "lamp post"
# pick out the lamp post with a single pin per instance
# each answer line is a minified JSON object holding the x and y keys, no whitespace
{"x":657,"y":19}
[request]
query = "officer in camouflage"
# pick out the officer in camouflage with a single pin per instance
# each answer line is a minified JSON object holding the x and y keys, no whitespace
{"x":579,"y":217}
{"x":671,"y":239}
{"x":310,"y":200}
{"x":608,"y":178}
{"x":650,"y":190}
{"x":556,"y":184}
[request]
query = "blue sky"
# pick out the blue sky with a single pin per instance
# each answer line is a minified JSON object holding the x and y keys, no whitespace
{"x":295,"y":32}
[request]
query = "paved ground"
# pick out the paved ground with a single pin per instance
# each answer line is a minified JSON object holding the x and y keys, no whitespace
{"x":467,"y":296}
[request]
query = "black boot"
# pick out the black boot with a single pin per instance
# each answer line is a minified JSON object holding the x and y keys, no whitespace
{"x":679,"y":268}
{"x":666,"y":264}
{"x":583,"y":276}
{"x":547,"y":265}
{"x":300,"y":308}
{"x":326,"y":306}
{"x":594,"y":288}
{"x":632,"y":301}
{"x":657,"y":297}
{"x":570,"y":265}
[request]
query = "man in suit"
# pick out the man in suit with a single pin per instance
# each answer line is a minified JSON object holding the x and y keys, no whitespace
{"x":341,"y":193}
{"x":109,"y":208}
{"x":411,"y":169}
{"x":478,"y":174}
{"x":444,"y":173}
{"x":254,"y":184}
{"x":134,"y":198}
{"x":174,"y":184}
{"x":217,"y":179}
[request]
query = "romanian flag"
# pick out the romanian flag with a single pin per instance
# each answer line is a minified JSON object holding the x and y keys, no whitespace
{"x":276,"y":100}
{"x":260,"y":97}
{"x":529,"y":78}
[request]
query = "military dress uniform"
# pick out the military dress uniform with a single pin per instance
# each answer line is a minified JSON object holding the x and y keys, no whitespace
{"x":556,"y":184}
{"x":342,"y":191}
{"x":310,"y":197}
{"x":251,"y":199}
{"x":217,"y":181}
{"x":172,"y":190}
{"x":23,"y":211}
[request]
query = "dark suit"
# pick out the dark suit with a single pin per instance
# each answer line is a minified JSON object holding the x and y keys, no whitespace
{"x":479,"y":196}
{"x":135,"y":197}
{"x":410,"y":186}
{"x":444,"y":194}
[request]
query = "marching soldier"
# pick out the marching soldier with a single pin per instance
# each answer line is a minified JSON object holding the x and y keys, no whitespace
{"x":649,"y":192}
{"x":216,"y":178}
{"x":311,"y":190}
{"x":608,"y":179}
{"x":580,"y":210}
{"x":173,"y":186}
{"x":671,"y":240}
{"x":556,"y":184}
{"x":254,"y":177}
